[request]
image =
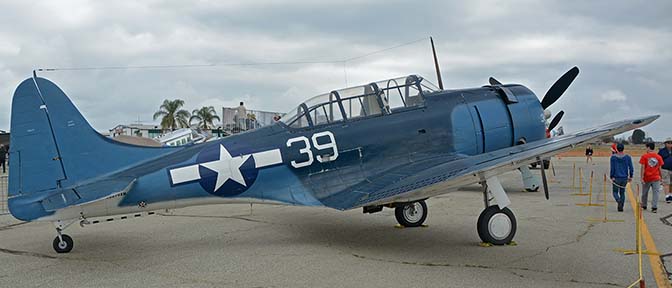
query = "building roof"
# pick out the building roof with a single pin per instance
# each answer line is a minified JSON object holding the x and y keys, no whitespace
{"x":174,"y":134}
{"x":139,"y":141}
{"x":138,"y":126}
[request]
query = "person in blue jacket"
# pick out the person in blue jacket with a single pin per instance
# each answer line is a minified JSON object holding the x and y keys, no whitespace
{"x":621,"y":173}
{"x":666,"y":171}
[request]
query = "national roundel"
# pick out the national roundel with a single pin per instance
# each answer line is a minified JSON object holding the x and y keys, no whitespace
{"x":226,"y":173}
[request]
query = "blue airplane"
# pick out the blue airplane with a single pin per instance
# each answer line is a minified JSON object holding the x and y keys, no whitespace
{"x":387,"y":144}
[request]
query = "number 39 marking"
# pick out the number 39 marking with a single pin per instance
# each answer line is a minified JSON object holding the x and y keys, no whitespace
{"x":308,"y":152}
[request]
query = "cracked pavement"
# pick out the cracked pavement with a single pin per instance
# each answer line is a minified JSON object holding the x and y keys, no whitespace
{"x":280,"y":246}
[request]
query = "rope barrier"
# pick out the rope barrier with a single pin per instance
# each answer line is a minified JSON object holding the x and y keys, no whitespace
{"x":590,"y":193}
{"x":605,"y":218}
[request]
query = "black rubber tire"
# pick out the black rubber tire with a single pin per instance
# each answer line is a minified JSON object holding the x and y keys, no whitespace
{"x":403,"y":221}
{"x":69,"y":244}
{"x":532,"y":190}
{"x":547,"y":164}
{"x":533,"y":165}
{"x":484,"y":219}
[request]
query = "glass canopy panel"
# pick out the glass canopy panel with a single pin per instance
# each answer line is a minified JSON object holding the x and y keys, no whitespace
{"x":427,"y":87}
{"x":361,"y":101}
{"x":292,"y":115}
{"x":404,"y":91}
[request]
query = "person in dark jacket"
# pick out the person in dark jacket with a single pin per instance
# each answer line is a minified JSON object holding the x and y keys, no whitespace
{"x":666,"y":171}
{"x":3,"y":157}
{"x":589,"y":153}
{"x":621,"y":173}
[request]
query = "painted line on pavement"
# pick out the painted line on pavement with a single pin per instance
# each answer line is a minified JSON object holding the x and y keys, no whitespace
{"x":657,"y":267}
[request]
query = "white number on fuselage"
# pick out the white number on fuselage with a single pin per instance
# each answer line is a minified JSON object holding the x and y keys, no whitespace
{"x":331,"y":145}
{"x":308,"y":152}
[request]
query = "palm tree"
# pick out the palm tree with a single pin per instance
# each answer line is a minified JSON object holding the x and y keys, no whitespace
{"x":206,"y":115}
{"x":171,"y":115}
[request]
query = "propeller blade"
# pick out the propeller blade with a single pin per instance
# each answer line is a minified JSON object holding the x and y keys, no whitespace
{"x":494,"y":81}
{"x":559,"y":87}
{"x":543,"y":177}
{"x":556,"y":120}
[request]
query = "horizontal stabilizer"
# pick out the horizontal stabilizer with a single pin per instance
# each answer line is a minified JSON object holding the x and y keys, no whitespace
{"x":85,"y":194}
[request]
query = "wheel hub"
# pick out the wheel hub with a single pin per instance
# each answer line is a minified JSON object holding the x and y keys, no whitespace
{"x":413,"y":212}
{"x":62,"y":245}
{"x":499,"y":226}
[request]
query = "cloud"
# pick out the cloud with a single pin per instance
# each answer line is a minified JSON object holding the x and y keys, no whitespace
{"x":623,"y":52}
{"x":613,"y":96}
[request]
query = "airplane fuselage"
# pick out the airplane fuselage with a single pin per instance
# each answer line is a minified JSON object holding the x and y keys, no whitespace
{"x":318,"y":164}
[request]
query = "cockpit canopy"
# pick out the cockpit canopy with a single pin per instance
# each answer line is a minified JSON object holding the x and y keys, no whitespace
{"x":378,"y":98}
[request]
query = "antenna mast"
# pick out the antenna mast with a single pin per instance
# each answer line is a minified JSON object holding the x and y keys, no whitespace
{"x":436,"y":64}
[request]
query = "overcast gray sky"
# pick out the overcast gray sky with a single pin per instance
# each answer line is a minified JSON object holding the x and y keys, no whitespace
{"x":624,"y":51}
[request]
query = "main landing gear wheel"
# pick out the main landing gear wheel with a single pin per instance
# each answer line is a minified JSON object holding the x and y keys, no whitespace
{"x":496,"y":226}
{"x":65,"y":245}
{"x":411,"y":214}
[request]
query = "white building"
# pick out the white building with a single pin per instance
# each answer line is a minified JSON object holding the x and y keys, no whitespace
{"x":255,"y":119}
{"x":181,"y":137}
{"x":138,"y":130}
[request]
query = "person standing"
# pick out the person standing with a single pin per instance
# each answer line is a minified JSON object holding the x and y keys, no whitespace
{"x":666,"y":171}
{"x":3,"y":158}
{"x":589,"y":153}
{"x":241,"y":117}
{"x":621,"y":173}
{"x":650,"y":173}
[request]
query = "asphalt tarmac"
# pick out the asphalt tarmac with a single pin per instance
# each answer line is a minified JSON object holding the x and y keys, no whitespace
{"x":281,"y":246}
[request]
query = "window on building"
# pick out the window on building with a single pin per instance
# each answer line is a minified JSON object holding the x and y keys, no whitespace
{"x":154,"y":133}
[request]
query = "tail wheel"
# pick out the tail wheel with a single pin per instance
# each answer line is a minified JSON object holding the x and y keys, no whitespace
{"x":411,"y":214}
{"x":496,"y":226}
{"x":65,"y":245}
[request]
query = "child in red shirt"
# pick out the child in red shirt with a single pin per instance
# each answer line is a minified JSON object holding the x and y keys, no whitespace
{"x":651,"y":163}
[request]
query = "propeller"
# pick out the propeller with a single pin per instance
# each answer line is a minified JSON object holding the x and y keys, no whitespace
{"x":544,"y":181}
{"x":559,"y":87}
{"x":556,"y":120}
{"x":494,"y":81}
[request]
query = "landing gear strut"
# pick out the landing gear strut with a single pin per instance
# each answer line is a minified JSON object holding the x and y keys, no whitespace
{"x":63,"y":243}
{"x":411,"y":214}
{"x":495,"y":226}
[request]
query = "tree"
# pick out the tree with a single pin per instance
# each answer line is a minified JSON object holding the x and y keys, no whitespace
{"x":205,"y":116}
{"x":171,"y":115}
{"x":638,"y":136}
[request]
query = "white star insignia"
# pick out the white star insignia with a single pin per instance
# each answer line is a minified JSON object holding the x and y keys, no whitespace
{"x":227,"y":167}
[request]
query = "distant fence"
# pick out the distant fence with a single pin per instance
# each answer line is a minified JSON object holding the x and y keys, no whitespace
{"x":3,"y":195}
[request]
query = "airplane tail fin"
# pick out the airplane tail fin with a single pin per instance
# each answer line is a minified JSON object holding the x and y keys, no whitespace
{"x":52,"y":146}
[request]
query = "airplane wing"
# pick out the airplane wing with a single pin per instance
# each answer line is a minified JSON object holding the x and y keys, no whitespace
{"x":437,"y":175}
